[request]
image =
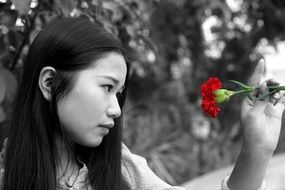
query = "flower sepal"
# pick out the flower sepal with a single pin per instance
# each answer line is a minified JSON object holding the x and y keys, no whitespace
{"x":222,"y":95}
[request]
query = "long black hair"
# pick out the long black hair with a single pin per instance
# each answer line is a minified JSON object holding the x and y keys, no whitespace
{"x":68,"y":45}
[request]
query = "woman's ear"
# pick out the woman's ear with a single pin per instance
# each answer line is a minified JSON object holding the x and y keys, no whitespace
{"x":46,"y":77}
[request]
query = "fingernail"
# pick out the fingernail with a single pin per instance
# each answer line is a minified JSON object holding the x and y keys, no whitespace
{"x":261,"y":61}
{"x":263,"y":85}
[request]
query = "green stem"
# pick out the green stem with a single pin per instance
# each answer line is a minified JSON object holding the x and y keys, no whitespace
{"x":276,"y":87}
{"x":251,"y":89}
{"x":270,"y":93}
{"x":245,"y":90}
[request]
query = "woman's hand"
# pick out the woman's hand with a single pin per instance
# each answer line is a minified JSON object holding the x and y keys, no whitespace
{"x":261,"y":119}
{"x":261,"y":124}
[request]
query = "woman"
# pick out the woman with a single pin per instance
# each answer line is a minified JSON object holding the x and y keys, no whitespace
{"x":66,"y":130}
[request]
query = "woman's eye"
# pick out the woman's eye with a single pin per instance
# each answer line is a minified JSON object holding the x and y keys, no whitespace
{"x":108,"y":87}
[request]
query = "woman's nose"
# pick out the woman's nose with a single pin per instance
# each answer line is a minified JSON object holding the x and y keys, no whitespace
{"x":114,"y":109}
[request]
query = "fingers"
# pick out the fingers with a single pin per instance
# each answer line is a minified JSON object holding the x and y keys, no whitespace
{"x":263,"y":91}
{"x":273,"y":95}
{"x":280,"y":105}
{"x":258,"y":73}
{"x":259,"y":108}
{"x":260,"y":96}
{"x":245,"y":107}
{"x":277,"y":110}
{"x":262,"y":107}
{"x":272,"y":82}
{"x":275,"y":98}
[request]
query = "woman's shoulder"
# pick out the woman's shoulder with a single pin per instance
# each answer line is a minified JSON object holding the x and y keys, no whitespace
{"x":138,"y":174}
{"x":132,"y":166}
{"x":128,"y":156}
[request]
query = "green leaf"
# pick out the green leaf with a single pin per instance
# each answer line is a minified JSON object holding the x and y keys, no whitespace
{"x":240,"y":84}
{"x":22,"y":6}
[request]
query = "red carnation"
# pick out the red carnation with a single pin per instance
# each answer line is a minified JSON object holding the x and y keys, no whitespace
{"x":209,"y":104}
{"x":213,"y":94}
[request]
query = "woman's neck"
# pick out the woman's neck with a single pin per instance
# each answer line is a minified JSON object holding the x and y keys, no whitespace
{"x":67,"y":163}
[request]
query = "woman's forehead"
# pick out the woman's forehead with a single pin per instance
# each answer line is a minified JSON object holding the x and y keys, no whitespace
{"x":112,"y":65}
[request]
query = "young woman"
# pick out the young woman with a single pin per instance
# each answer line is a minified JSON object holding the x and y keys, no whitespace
{"x":66,"y":130}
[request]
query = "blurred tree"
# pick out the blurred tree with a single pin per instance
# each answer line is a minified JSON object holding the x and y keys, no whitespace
{"x":202,"y":38}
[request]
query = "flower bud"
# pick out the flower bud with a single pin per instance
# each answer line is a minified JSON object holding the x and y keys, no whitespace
{"x":222,"y":95}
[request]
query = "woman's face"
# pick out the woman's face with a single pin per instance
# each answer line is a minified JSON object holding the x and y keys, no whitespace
{"x":87,"y":112}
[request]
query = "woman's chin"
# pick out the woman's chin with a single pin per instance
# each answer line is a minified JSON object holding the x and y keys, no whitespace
{"x":92,"y":142}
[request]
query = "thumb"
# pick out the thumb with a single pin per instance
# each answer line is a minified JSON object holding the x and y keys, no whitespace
{"x":263,"y":91}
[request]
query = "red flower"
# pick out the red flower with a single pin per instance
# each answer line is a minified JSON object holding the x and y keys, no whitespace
{"x":209,"y":104}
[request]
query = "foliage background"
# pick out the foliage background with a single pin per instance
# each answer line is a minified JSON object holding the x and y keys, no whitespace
{"x":172,"y":56}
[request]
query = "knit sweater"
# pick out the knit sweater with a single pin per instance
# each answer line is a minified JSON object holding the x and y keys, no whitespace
{"x":134,"y":168}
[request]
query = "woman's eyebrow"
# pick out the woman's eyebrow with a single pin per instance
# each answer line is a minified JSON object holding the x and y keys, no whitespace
{"x":116,"y":81}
